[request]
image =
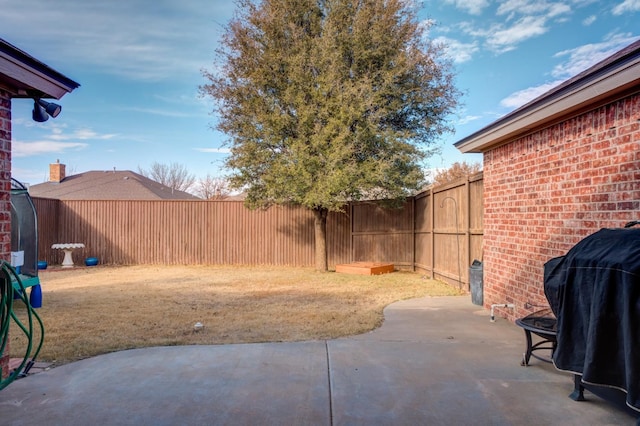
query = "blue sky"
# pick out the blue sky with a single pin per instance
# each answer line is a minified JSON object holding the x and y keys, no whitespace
{"x":139,"y":65}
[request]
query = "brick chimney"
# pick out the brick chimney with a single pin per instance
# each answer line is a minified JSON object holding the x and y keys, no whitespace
{"x":56,"y":172}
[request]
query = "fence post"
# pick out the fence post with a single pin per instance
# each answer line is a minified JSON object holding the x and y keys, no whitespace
{"x":433,"y":235}
{"x":467,"y":230}
{"x":351,"y":221}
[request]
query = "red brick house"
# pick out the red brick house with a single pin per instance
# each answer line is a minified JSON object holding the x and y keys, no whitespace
{"x":556,"y":170}
{"x":21,"y":76}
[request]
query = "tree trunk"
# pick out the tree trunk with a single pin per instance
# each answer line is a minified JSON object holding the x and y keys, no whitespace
{"x":320,"y":226}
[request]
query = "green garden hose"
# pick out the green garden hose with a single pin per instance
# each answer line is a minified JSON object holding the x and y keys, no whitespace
{"x":7,"y":294}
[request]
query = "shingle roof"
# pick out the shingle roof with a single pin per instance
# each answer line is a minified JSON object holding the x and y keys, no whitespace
{"x":107,"y":185}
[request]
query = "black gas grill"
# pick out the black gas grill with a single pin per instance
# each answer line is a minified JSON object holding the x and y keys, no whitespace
{"x":594,"y":295}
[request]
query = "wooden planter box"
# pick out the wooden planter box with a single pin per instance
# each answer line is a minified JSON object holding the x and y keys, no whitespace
{"x":365,"y":268}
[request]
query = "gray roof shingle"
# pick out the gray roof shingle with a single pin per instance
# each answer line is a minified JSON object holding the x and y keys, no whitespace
{"x":107,"y":185}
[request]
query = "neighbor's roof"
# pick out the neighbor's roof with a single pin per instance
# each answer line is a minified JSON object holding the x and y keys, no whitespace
{"x":614,"y":77}
{"x":25,"y":76}
{"x":107,"y":185}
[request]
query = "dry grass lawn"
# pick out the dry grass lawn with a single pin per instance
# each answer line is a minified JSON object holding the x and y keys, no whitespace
{"x":91,"y":311}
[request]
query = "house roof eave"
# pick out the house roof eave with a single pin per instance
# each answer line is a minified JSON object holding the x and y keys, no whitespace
{"x":28,"y":77}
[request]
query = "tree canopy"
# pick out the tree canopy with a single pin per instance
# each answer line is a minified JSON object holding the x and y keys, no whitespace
{"x":456,"y":171}
{"x":329,"y":101}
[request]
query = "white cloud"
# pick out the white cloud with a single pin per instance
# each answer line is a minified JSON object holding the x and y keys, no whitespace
{"x":579,"y":59}
{"x":534,"y":18}
{"x":521,"y":97}
{"x":626,"y":6}
{"x":161,"y":112}
{"x":525,"y":19}
{"x":214,"y":150}
{"x":468,"y":119}
{"x":28,"y":149}
{"x":504,"y":40}
{"x":557,"y":9}
{"x":57,"y":139}
{"x":133,"y":39}
{"x":458,"y":51}
{"x":532,"y":7}
{"x":522,"y":7}
{"x":473,"y":7}
{"x":84,"y":134}
{"x":589,"y":20}
{"x":58,"y":134}
{"x":583,"y":57}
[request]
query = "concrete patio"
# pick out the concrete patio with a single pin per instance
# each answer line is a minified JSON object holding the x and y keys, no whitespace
{"x":435,"y":361}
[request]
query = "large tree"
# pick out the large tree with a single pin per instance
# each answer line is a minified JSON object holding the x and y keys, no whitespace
{"x":327,"y":101}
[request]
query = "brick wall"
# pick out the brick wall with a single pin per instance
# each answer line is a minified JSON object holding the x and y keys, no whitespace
{"x":5,"y":191}
{"x":546,"y":191}
{"x":57,"y":172}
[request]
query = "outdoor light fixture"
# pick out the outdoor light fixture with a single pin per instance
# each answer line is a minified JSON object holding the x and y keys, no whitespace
{"x":43,"y":109}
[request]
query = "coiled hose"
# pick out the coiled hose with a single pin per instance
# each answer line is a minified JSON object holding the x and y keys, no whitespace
{"x":7,"y":293}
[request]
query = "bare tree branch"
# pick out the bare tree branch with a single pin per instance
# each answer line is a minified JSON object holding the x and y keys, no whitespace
{"x":211,"y":188}
{"x":174,"y":175}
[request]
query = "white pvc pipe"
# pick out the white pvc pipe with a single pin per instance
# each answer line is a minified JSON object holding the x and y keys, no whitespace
{"x":500,"y":305}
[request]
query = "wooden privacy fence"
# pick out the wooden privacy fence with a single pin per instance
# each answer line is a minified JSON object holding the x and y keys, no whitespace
{"x":450,"y":237}
{"x":182,"y":232}
{"x":438,"y":232}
